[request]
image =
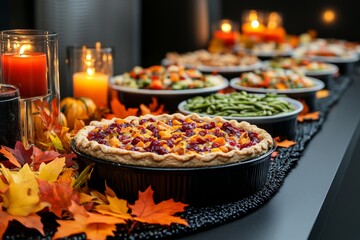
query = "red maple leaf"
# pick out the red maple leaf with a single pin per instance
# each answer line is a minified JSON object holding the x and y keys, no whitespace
{"x":59,"y":194}
{"x":146,"y":211}
{"x":22,"y":154}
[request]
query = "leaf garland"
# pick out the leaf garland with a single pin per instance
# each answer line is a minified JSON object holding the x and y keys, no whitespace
{"x":39,"y":182}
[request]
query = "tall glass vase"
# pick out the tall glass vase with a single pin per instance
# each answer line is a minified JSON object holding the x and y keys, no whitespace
{"x":29,"y":60}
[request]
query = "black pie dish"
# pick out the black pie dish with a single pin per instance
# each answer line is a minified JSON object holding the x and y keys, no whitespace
{"x":201,"y":186}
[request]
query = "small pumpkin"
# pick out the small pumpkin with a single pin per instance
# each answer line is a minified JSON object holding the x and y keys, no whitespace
{"x":81,"y":108}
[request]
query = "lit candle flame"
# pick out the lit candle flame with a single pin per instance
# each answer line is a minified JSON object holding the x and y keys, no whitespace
{"x":23,"y":48}
{"x":226,"y":27}
{"x":255,"y":23}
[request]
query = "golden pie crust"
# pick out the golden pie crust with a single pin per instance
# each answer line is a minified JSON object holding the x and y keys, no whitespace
{"x":220,"y":153}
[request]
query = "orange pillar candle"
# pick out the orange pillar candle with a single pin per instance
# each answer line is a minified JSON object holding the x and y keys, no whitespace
{"x":91,"y":85}
{"x":227,"y":33}
{"x":274,"y":31}
{"x":253,"y":26}
{"x":27,"y":71}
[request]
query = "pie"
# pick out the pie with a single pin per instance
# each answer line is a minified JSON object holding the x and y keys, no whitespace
{"x":172,"y":141}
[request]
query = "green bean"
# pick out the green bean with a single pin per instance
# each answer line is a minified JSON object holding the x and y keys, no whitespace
{"x":239,"y":104}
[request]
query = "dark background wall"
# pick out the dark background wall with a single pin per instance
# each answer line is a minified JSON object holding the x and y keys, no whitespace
{"x":178,"y":25}
{"x":300,"y":16}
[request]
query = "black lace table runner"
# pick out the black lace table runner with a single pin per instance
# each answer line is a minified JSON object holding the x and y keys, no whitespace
{"x":201,"y":218}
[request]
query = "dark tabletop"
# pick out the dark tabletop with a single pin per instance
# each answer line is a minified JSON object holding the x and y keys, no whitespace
{"x":319,"y":197}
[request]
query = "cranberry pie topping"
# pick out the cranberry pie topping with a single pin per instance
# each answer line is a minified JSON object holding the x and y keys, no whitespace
{"x":173,"y":140}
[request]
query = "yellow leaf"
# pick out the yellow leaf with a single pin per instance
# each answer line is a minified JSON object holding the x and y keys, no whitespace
{"x":116,"y":207}
{"x":85,"y":198}
{"x":50,"y":172}
{"x":57,"y":142}
{"x":22,"y":196}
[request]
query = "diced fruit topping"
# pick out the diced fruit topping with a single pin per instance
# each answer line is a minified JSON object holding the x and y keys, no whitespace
{"x":179,"y":136}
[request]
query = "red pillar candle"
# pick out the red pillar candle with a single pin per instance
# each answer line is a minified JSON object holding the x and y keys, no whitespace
{"x":26,"y":71}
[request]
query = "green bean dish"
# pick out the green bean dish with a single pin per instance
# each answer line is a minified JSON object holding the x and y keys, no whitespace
{"x":239,"y":104}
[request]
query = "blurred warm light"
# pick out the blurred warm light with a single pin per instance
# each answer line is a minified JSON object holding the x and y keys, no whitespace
{"x":274,"y":20}
{"x":226,"y":26}
{"x":255,"y":23}
{"x":329,"y":16}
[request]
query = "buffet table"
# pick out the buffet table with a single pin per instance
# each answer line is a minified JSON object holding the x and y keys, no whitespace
{"x":303,"y":197}
{"x":307,"y":205}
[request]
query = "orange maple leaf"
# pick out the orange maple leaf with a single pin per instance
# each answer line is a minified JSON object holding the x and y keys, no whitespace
{"x":119,"y":110}
{"x":285,"y":143}
{"x":309,"y":116}
{"x":146,"y":211}
{"x":30,"y":221}
{"x":322,"y":93}
{"x":11,"y":159}
{"x":96,"y":226}
{"x":59,"y":194}
{"x":153,"y":108}
{"x":50,"y":120}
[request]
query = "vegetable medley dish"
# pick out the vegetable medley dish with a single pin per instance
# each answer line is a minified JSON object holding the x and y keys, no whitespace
{"x":276,"y":78}
{"x":205,"y":58}
{"x":167,"y":78}
{"x":173,"y":140}
{"x":298,"y":64}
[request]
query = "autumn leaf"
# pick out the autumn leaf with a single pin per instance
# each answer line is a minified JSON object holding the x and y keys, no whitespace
{"x":285,"y":143}
{"x":119,"y":109}
{"x":43,"y":157}
{"x":12,"y":161}
{"x":309,"y":116}
{"x":22,"y":196}
{"x":58,"y":194}
{"x":30,"y":221}
{"x":51,"y":171}
{"x":114,"y":206}
{"x":146,"y":211}
{"x":50,"y":119}
{"x":22,"y":154}
{"x":153,"y":108}
{"x":96,"y":226}
{"x":274,"y":154}
{"x":322,"y":94}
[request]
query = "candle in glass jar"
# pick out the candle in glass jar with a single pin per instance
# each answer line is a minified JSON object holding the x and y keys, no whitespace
{"x":27,"y":71}
{"x":253,"y":26}
{"x":91,"y":85}
{"x":274,"y":31}
{"x":226,"y":33}
{"x":10,"y":130}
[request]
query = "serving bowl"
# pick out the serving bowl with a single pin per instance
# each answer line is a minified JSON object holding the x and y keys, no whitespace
{"x":133,"y":97}
{"x":306,"y":95}
{"x":323,"y":71}
{"x":281,"y":125}
{"x":197,"y":186}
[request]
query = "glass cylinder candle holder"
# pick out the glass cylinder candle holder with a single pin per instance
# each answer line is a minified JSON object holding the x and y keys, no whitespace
{"x":10,"y":130}
{"x":90,"y":69}
{"x":274,"y":31}
{"x":227,"y":32}
{"x":253,"y":25}
{"x":29,"y":60}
